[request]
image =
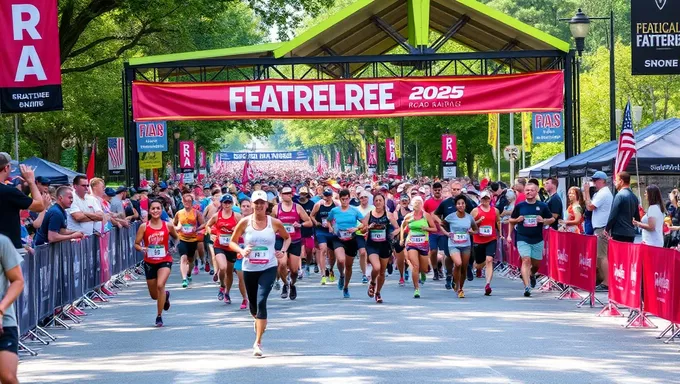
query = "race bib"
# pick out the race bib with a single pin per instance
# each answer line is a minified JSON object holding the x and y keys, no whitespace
{"x":225,"y":239}
{"x":155,"y":252}
{"x":324,"y":222}
{"x":485,"y":230}
{"x":187,"y":228}
{"x":459,"y":237}
{"x":530,"y":221}
{"x":345,"y":235}
{"x":259,"y":255}
{"x":418,"y":239}
{"x":289,"y":228}
{"x":378,"y":234}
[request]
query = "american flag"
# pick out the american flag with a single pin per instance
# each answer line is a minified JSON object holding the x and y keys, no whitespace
{"x":116,"y":153}
{"x":626,"y":142}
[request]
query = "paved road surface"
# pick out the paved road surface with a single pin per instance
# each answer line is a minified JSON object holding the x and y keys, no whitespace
{"x":322,"y":338}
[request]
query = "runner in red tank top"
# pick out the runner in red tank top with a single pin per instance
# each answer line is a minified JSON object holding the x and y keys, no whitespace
{"x":292,"y":216}
{"x":221,"y":226}
{"x":488,"y":220}
{"x":152,"y":240}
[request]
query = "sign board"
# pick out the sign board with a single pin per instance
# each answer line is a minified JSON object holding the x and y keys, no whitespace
{"x":391,"y":157}
{"x":371,"y":170}
{"x":187,"y":155}
{"x":188,"y":176}
{"x":151,"y":160}
{"x":30,"y":61}
{"x":511,"y":153}
{"x":116,"y":151}
{"x":263,"y":156}
{"x":547,"y":127}
{"x":152,"y":136}
{"x":449,"y":156}
{"x":392,"y":170}
{"x":655,"y":37}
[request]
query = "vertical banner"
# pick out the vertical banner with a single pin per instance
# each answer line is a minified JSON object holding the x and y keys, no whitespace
{"x":202,"y":159}
{"x":372,"y":159}
{"x":30,"y":63}
{"x":187,"y":155}
{"x":116,"y":149}
{"x":494,"y":122}
{"x":391,"y":157}
{"x":449,"y":156}
{"x":526,"y":131}
{"x":625,"y":274}
{"x":337,"y":164}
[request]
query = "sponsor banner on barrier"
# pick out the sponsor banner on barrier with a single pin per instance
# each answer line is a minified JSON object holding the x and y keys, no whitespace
{"x":264,"y":156}
{"x":625,"y":273}
{"x":573,"y":259}
{"x":353,"y":98}
{"x":661,"y":281}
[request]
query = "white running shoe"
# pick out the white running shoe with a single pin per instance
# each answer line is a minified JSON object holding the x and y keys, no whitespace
{"x":257,"y":350}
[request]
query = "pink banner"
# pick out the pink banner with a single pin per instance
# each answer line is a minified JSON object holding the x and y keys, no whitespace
{"x":202,"y":158}
{"x":105,"y":270}
{"x":187,"y":155}
{"x":661,"y":281}
{"x":449,"y":148}
{"x":625,"y":274}
{"x":573,"y":259}
{"x":372,"y":154}
{"x":390,"y":151}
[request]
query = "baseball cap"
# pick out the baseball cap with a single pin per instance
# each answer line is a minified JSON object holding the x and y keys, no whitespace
{"x":599,"y":175}
{"x":110,"y":192}
{"x":422,"y":190}
{"x":486,"y":194}
{"x":304,"y":190}
{"x":328,"y":192}
{"x":162,"y":185}
{"x":259,"y":196}
{"x":404,"y":197}
{"x":384,"y":187}
{"x":400,"y":188}
{"x":287,"y":190}
{"x":42,"y":180}
{"x":226,"y":197}
{"x":364,"y":194}
{"x":121,"y":189}
{"x":359,"y":188}
{"x":132,"y":191}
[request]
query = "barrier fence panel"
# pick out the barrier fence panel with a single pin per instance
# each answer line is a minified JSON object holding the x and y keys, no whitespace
{"x":573,"y":261}
{"x":625,"y":277}
{"x":661,"y":282}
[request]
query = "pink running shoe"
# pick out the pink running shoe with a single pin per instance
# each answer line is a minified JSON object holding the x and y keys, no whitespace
{"x":195,"y":270}
{"x":402,"y":282}
{"x":244,"y":304}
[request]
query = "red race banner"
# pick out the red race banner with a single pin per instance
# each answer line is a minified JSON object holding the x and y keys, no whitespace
{"x":187,"y":155}
{"x":372,"y":154}
{"x":353,"y":98}
{"x":202,"y":159}
{"x":390,"y":151}
{"x":661,"y":281}
{"x":30,"y":64}
{"x":573,"y":259}
{"x":625,"y":274}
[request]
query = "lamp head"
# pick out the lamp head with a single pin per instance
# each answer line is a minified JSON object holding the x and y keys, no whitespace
{"x":579,"y":25}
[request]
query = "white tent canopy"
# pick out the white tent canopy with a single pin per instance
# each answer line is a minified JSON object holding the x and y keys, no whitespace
{"x":535,"y":170}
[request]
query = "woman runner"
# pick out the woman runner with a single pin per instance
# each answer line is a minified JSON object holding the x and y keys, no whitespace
{"x":420,"y":224}
{"x":260,"y":262}
{"x":488,"y":219}
{"x":323,"y":236}
{"x":342,"y":222}
{"x":154,"y":234}
{"x":400,"y":213}
{"x":188,"y":222}
{"x":461,"y":225}
{"x":381,"y":228}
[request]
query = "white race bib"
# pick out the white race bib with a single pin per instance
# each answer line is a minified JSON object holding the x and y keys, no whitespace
{"x":378,"y":234}
{"x":460,"y":237}
{"x":530,"y":221}
{"x":155,"y":252}
{"x":418,"y":239}
{"x":324,"y":222}
{"x":225,"y":239}
{"x":345,"y":235}
{"x":187,"y":228}
{"x":485,"y":230}
{"x":259,"y":255}
{"x":289,"y":228}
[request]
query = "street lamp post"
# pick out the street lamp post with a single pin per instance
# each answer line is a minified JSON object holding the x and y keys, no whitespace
{"x":176,"y":156}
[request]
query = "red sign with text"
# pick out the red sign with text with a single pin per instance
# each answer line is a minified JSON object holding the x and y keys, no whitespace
{"x":372,"y":154}
{"x":661,"y":278}
{"x":573,"y":259}
{"x":30,"y":64}
{"x":352,"y":98}
{"x":625,"y":273}
{"x":187,"y":155}
{"x":390,"y":151}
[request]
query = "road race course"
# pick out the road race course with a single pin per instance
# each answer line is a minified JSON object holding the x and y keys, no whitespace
{"x":323,"y":338}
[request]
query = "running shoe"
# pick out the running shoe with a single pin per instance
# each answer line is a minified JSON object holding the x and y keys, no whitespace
{"x":220,"y":294}
{"x":323,"y":280}
{"x":277,"y":285}
{"x":167,"y":301}
{"x":307,"y":269}
{"x":301,"y":274}
{"x":441,"y":272}
{"x":331,"y":277}
{"x":479,"y":273}
{"x":207,"y":267}
{"x":345,"y":293}
{"x":257,"y":350}
{"x":195,"y":270}
{"x":212,"y":273}
{"x":487,"y":290}
{"x":341,"y":282}
{"x":364,"y":279}
{"x":159,"y":321}
{"x":284,"y":292}
{"x":416,"y":294}
{"x":406,"y":275}
{"x":532,"y":278}
{"x":402,"y":282}
{"x":227,"y":298}
{"x":390,"y":268}
{"x":527,"y":292}
{"x":461,"y":294}
{"x":244,"y":304}
{"x":449,"y":282}
{"x":316,"y":268}
{"x":371,"y":290}
{"x":470,"y":275}
{"x":189,"y":278}
{"x":293,"y":292}
{"x":378,"y":298}
{"x":436,"y":275}
{"x":423,"y":277}
{"x":185,"y":283}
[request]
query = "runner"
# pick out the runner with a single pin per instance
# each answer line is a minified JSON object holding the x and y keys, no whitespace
{"x":438,"y":242}
{"x":488,"y":219}
{"x":293,"y":216}
{"x":529,"y":217}
{"x":342,"y":222}
{"x":188,"y":222}
{"x":381,"y":228}
{"x":365,"y":208}
{"x":154,"y":234}
{"x":461,"y":225}
{"x":221,"y":226}
{"x":261,"y":260}
{"x":308,"y":232}
{"x":323,"y":236}
{"x":399,"y":253}
{"x":419,"y":224}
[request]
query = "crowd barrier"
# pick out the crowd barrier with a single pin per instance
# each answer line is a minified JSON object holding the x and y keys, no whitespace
{"x":61,"y":277}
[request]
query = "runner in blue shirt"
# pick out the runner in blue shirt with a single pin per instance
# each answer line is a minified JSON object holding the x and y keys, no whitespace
{"x":342,"y":222}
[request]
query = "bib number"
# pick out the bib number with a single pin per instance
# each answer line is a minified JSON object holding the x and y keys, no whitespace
{"x":530,"y":221}
{"x":345,"y":235}
{"x":324,"y":222}
{"x":225,"y":239}
{"x":155,"y":252}
{"x":259,"y":255}
{"x":378,"y":235}
{"x":418,"y":239}
{"x":485,"y":230}
{"x":187,"y":228}
{"x":289,"y":228}
{"x":459,"y":237}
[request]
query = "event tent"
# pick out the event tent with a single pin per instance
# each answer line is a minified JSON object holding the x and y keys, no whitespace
{"x":56,"y":173}
{"x":542,"y":169}
{"x":657,"y":146}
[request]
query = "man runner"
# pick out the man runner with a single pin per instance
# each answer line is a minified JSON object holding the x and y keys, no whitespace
{"x":323,"y":236}
{"x":343,"y":224}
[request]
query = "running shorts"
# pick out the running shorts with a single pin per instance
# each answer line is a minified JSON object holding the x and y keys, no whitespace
{"x":187,"y":248}
{"x":535,"y":251}
{"x":421,"y":252}
{"x":308,"y":242}
{"x":324,"y":237}
{"x":350,"y":246}
{"x":481,"y":251}
{"x":382,"y":249}
{"x":230,"y":255}
{"x":295,"y":248}
{"x":151,"y":270}
{"x":9,"y":340}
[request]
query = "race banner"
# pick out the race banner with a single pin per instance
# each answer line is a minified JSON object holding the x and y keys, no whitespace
{"x":573,"y":259}
{"x":661,"y":282}
{"x":202,"y":159}
{"x":152,"y":136}
{"x":263,"y":156}
{"x":655,"y":37}
{"x":187,"y":155}
{"x":30,"y":63}
{"x":391,"y":157}
{"x":625,"y":274}
{"x":492,"y":139}
{"x":116,"y":150}
{"x":526,"y":131}
{"x":372,"y":154}
{"x":449,"y":156}
{"x":151,"y":160}
{"x":547,"y":127}
{"x":352,"y":98}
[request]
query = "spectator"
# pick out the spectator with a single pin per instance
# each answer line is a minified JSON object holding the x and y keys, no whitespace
{"x":53,"y":228}
{"x":117,"y":208}
{"x":673,"y":238}
{"x":554,"y":201}
{"x":519,"y":190}
{"x":499,"y":196}
{"x":131,"y":214}
{"x":600,"y":206}
{"x":624,"y":211}
{"x":652,"y":223}
{"x":574,"y":211}
{"x":11,"y":286}
{"x":506,"y":210}
{"x":85,"y":210}
{"x":43,"y":184}
{"x":12,"y":201}
{"x":134,"y":200}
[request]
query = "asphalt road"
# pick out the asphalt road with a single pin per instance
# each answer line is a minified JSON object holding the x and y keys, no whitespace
{"x":323,"y":338}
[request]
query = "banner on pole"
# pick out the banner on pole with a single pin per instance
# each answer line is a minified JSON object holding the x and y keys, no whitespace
{"x":264,"y":156}
{"x":116,"y":150}
{"x":151,"y":160}
{"x":30,"y":63}
{"x":152,"y":136}
{"x":352,"y":98}
{"x":547,"y":127}
{"x":391,"y":157}
{"x":372,"y":154}
{"x":526,"y":131}
{"x":202,"y":159}
{"x":187,"y":155}
{"x":449,"y":156}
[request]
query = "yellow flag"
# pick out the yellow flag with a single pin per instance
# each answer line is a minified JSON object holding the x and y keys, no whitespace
{"x":493,"y":129}
{"x":397,"y":145}
{"x":526,"y":130}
